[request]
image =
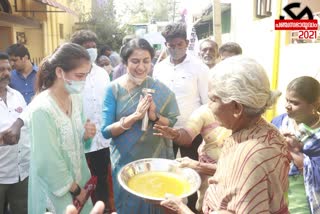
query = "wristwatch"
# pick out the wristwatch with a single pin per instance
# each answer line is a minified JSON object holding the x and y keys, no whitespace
{"x":157,"y":117}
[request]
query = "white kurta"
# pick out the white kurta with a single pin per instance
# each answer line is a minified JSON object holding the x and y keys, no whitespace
{"x":93,"y":94}
{"x":188,"y":80}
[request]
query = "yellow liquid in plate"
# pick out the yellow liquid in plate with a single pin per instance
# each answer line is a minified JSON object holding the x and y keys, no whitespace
{"x":157,"y":184}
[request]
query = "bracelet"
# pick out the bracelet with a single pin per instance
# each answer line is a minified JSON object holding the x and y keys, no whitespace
{"x":122,"y":124}
{"x":76,"y":192}
{"x":157,"y":117}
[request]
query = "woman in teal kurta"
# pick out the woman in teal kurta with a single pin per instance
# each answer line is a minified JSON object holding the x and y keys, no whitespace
{"x":58,"y":169}
{"x":123,"y":111}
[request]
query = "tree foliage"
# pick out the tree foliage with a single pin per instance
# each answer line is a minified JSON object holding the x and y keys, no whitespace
{"x":103,"y":22}
{"x":142,"y":11}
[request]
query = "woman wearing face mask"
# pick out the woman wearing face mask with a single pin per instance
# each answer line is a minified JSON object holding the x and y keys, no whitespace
{"x":124,"y":108}
{"x":58,"y":168}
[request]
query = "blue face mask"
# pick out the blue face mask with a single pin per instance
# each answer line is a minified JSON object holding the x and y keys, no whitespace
{"x":73,"y":87}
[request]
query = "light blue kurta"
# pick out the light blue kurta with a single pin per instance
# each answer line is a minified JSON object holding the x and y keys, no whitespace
{"x":57,"y":155}
{"x":135,"y":144}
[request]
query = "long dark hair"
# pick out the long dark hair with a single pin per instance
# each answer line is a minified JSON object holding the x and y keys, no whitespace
{"x":68,"y":57}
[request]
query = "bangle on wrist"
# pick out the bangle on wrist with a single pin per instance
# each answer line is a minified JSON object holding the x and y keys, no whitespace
{"x":157,"y":117}
{"x":122,"y":124}
{"x":76,"y":192}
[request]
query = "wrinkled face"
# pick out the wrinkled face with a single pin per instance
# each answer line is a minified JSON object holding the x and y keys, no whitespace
{"x":139,"y":63}
{"x":17,"y":62}
{"x":223,"y":112}
{"x":298,"y":108}
{"x":208,"y":53}
{"x":5,"y":69}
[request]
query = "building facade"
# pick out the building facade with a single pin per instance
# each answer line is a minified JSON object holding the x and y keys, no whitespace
{"x":41,"y":25}
{"x":284,"y":57}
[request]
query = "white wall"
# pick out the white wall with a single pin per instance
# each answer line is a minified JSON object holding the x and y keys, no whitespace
{"x":256,"y":36}
{"x":297,"y":60}
{"x":257,"y":39}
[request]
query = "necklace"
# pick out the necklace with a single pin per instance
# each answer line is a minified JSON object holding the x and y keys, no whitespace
{"x":135,"y":85}
{"x":66,"y":108}
{"x":130,"y":96}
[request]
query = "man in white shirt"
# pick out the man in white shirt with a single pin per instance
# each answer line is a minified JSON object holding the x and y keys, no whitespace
{"x":14,"y":159}
{"x":97,"y":152}
{"x":187,"y":77}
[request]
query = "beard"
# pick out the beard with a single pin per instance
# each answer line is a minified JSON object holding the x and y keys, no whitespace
{"x":209,"y":60}
{"x":5,"y":78}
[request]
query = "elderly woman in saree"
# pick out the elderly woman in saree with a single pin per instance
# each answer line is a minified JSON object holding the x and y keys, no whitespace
{"x":251,"y":175}
{"x":201,"y":121}
{"x":302,"y":105}
{"x":123,"y":110}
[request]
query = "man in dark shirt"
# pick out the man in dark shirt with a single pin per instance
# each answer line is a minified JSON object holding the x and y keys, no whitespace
{"x":24,"y":72}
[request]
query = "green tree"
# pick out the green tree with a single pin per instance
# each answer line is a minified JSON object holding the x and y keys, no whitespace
{"x":141,"y":11}
{"x":103,"y":22}
{"x":160,"y":9}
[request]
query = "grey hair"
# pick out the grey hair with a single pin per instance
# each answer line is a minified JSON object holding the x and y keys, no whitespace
{"x":243,"y":80}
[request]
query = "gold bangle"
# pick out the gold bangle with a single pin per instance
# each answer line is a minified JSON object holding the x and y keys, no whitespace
{"x":122,"y":124}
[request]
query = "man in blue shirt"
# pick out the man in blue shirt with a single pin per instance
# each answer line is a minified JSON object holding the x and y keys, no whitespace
{"x":24,"y":72}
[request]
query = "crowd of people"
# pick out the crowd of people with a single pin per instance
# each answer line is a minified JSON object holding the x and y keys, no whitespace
{"x":68,"y":127}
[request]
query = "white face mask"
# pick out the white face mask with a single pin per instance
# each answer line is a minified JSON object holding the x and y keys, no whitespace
{"x":136,"y":80}
{"x":93,"y":53}
{"x":72,"y":86}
